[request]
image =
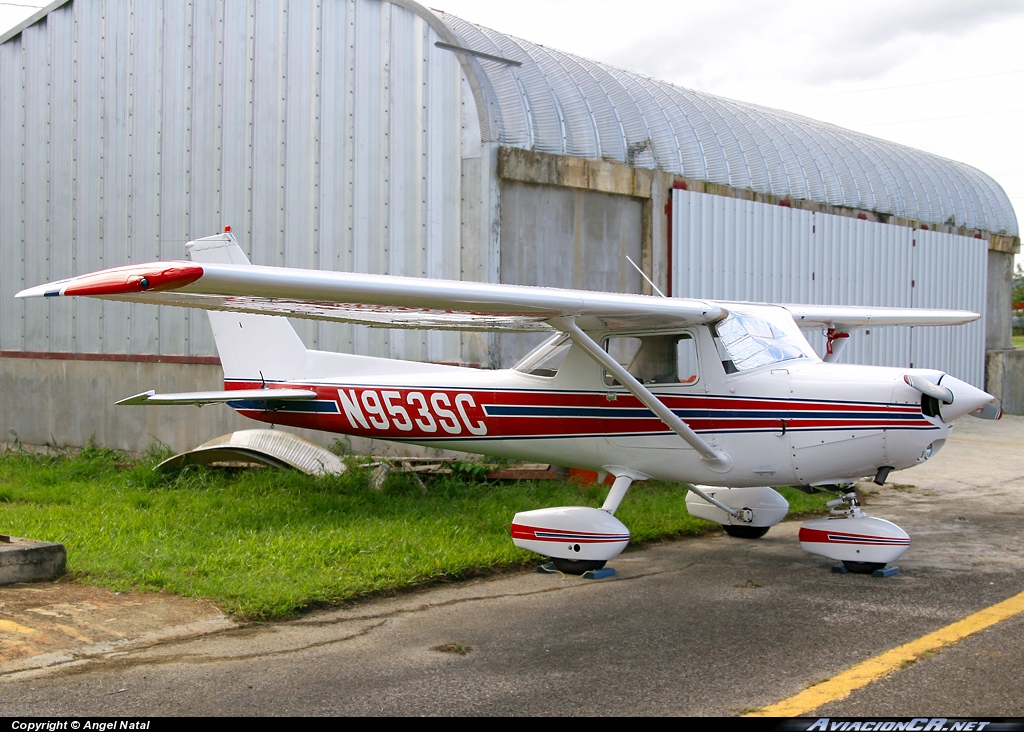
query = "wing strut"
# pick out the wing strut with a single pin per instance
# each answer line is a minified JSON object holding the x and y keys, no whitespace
{"x":716,"y":460}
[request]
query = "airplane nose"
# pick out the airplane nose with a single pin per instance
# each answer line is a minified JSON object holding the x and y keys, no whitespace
{"x":951,"y":397}
{"x":966,"y":398}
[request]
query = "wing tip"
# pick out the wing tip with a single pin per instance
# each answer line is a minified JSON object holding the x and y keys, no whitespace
{"x":52,"y":289}
{"x":137,"y":399}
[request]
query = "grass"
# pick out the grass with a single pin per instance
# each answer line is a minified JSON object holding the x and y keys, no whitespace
{"x":268,"y":544}
{"x":1018,"y":341}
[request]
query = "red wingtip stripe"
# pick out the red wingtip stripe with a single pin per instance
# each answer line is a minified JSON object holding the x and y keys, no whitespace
{"x":135,"y":278}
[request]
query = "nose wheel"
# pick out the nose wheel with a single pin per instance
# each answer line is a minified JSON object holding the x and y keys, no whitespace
{"x":864,"y":544}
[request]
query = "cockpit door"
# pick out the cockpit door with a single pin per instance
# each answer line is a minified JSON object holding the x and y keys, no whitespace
{"x":669,"y":366}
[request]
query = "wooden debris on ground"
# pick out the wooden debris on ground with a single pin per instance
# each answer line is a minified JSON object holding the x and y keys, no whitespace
{"x":382,"y":466}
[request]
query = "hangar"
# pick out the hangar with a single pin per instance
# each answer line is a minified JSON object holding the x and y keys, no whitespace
{"x":381,"y":136}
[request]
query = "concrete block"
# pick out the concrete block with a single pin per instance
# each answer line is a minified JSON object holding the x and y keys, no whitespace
{"x":999,"y":302}
{"x":25,"y":560}
{"x":1004,"y":379}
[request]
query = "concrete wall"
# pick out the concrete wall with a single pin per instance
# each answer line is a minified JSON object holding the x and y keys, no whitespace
{"x":999,"y":309}
{"x":1004,"y":365}
{"x":566,"y":237}
{"x":69,"y":402}
{"x":1004,"y":379}
{"x":571,"y":222}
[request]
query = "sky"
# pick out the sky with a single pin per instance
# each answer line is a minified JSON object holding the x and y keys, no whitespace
{"x":944,"y":76}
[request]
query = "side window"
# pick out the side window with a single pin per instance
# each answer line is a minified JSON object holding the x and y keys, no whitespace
{"x":686,"y":353}
{"x":547,"y":358}
{"x":655,"y":359}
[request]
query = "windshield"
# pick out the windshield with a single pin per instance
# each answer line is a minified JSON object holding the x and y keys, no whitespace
{"x":748,"y":342}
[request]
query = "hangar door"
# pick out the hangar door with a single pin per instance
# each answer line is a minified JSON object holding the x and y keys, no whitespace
{"x":730,"y":249}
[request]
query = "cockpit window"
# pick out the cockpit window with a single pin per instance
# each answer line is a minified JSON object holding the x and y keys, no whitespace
{"x":747,"y":342}
{"x":546,"y":359}
{"x":654,"y":359}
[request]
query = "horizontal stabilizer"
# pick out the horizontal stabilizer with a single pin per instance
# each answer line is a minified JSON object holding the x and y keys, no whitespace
{"x":199,"y":398}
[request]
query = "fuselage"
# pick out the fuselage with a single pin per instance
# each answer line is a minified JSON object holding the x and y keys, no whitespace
{"x":799,"y":421}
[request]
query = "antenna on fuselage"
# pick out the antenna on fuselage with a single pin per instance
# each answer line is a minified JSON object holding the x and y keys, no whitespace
{"x":653,"y":286}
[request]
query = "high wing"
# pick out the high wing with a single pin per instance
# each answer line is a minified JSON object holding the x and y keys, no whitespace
{"x":375,"y":300}
{"x":409,"y":302}
{"x":844,"y":317}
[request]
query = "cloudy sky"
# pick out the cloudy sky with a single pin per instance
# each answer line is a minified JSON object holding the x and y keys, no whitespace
{"x":944,"y":76}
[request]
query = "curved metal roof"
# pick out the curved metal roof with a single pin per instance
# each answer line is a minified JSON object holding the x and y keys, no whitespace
{"x":559,"y":103}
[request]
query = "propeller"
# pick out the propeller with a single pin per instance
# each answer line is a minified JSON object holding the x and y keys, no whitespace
{"x":926,"y":387}
{"x":968,"y":399}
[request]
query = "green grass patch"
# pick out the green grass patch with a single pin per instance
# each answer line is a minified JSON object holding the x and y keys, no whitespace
{"x":268,"y":544}
{"x":1018,"y":341}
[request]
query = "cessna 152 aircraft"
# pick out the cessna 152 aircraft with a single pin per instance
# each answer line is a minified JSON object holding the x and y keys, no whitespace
{"x":726,"y":397}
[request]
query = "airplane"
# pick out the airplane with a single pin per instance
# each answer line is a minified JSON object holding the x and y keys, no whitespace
{"x":725,"y":397}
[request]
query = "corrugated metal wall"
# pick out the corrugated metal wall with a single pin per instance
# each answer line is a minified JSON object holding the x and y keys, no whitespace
{"x":127,"y":128}
{"x":730,"y":249}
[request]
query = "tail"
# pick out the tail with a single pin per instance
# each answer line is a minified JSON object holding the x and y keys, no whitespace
{"x":251,"y":347}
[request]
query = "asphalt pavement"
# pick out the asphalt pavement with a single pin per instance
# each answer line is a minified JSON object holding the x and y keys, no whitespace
{"x":709,"y":626}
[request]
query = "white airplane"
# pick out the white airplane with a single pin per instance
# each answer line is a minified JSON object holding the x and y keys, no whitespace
{"x":726,"y":397}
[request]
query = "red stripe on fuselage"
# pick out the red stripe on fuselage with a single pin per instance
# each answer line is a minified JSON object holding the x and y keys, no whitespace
{"x":428,"y":414}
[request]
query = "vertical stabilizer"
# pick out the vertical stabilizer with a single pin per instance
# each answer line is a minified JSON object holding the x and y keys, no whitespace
{"x":251,"y":347}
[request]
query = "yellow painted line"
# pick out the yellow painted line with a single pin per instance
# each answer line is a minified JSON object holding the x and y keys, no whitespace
{"x":11,"y":627}
{"x":839,"y":687}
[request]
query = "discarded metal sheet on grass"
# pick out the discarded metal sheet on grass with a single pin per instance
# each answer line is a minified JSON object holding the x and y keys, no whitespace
{"x":274,"y":448}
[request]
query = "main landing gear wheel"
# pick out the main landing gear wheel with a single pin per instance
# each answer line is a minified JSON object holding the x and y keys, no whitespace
{"x":576,"y":566}
{"x":746,"y":532}
{"x":862,"y":567}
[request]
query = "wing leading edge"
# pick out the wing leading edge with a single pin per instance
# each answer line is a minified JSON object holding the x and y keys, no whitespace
{"x":223,"y":279}
{"x":844,"y":317}
{"x":375,"y":300}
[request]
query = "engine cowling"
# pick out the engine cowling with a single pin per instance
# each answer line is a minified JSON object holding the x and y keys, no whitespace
{"x":570,"y":532}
